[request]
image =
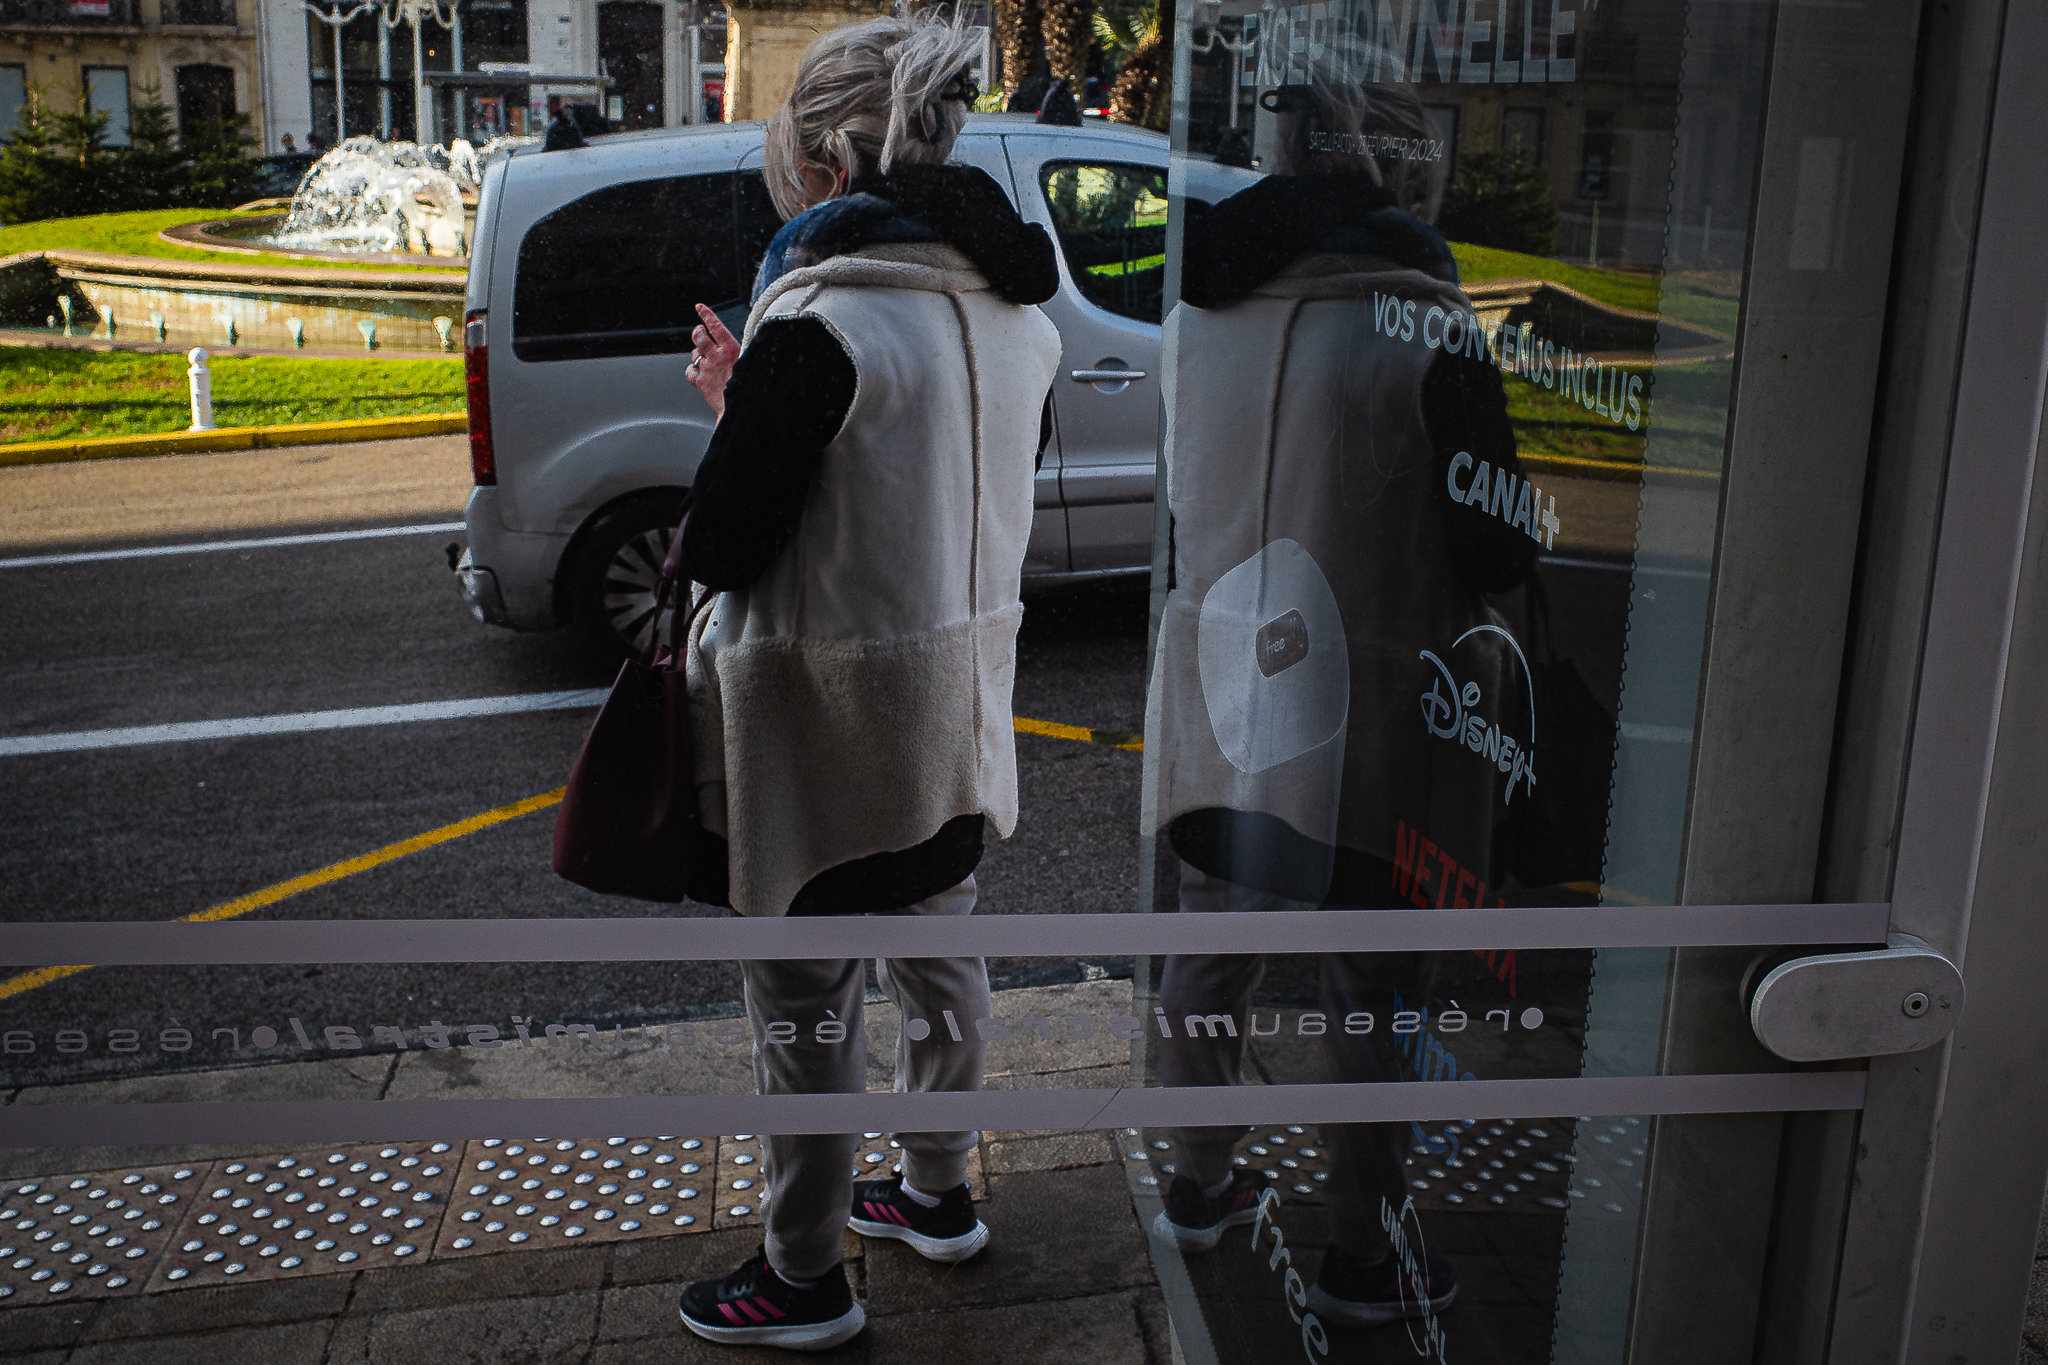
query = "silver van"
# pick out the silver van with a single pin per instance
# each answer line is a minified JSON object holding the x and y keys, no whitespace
{"x":586,"y":266}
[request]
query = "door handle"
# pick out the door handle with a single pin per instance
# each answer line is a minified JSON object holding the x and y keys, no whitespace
{"x":1112,"y":374}
{"x":1835,"y":1006}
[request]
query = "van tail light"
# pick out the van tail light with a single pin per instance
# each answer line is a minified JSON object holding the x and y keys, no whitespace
{"x":476,"y":369}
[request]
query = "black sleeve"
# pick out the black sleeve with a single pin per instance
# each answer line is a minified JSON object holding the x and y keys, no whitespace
{"x":785,"y":402}
{"x":966,"y":207}
{"x":1044,"y":431}
{"x":1465,"y":410}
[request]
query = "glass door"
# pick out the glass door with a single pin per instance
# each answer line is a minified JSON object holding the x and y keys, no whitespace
{"x":1505,"y":566}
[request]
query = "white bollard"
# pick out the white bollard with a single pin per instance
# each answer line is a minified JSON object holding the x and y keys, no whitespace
{"x":202,"y":389}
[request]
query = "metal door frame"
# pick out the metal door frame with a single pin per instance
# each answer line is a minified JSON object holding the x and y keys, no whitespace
{"x":1952,"y":1156}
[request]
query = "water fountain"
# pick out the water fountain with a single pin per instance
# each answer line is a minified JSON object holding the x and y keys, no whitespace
{"x":371,"y":196}
{"x":364,"y":203}
{"x":390,"y":202}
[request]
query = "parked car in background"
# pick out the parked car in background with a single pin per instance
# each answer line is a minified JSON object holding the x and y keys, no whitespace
{"x":280,"y":175}
{"x":584,"y":435}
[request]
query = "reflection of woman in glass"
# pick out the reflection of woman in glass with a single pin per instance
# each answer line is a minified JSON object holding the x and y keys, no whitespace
{"x":862,"y":510}
{"x":1322,"y":445}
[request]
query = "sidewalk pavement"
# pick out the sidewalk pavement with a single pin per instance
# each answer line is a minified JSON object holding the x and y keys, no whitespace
{"x":221,"y":494}
{"x":1067,"y":1275}
{"x":2034,"y":1332}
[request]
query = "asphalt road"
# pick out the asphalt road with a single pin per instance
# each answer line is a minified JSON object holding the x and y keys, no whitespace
{"x":158,"y":831}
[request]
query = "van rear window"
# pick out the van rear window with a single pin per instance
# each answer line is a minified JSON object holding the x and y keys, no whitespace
{"x":619,"y":271}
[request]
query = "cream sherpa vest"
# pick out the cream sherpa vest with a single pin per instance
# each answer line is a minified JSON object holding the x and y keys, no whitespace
{"x":857,"y":696}
{"x":1300,"y":479}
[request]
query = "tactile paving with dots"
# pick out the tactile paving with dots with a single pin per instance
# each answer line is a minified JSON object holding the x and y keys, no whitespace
{"x":1291,"y":1158}
{"x":528,"y":1192}
{"x":95,"y":1235}
{"x":326,"y":1210}
{"x":1502,"y":1164}
{"x":740,"y":1187}
{"x":1506,"y":1165}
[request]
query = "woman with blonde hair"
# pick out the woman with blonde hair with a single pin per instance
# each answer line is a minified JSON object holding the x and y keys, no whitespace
{"x":862,"y":513}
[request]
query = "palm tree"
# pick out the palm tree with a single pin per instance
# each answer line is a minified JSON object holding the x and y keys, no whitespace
{"x":1143,"y":41}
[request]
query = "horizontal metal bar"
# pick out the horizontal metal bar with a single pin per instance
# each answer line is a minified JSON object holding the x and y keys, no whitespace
{"x":679,"y":939}
{"x":295,"y":1121}
{"x":1105,"y":376}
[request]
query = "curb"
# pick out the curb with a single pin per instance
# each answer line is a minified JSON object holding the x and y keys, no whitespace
{"x":233,"y":438}
{"x":50,"y":341}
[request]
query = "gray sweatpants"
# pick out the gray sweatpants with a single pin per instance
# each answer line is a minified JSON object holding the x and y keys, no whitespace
{"x":1365,"y":1158}
{"x":810,"y":1176}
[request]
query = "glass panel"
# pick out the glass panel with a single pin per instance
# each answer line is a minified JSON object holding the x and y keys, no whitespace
{"x":1447,"y":394}
{"x":106,"y":92}
{"x":620,"y":271}
{"x":13,"y":95}
{"x":1111,"y":224}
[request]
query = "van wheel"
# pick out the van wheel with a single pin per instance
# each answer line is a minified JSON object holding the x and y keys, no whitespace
{"x":617,"y":569}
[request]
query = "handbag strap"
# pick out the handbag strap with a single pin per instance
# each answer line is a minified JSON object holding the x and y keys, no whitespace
{"x":680,"y":622}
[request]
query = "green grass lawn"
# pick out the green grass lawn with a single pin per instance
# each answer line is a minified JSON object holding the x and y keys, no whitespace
{"x":48,"y":395}
{"x":135,"y":234}
{"x":1686,"y":405}
{"x":1688,"y":302}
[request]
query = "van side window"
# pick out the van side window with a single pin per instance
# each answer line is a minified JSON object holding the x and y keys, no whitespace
{"x":619,"y":271}
{"x":756,"y":223}
{"x":1111,"y":222}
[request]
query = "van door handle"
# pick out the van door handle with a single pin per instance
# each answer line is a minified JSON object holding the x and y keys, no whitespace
{"x":1108,"y":376}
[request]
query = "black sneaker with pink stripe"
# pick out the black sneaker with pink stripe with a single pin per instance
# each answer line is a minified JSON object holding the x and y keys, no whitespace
{"x":754,"y":1306}
{"x":948,"y":1233}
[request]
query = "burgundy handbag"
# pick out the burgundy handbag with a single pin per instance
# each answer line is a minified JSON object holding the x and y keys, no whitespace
{"x":628,"y":823}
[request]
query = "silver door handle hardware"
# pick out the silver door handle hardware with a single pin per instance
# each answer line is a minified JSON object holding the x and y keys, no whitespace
{"x":1835,"y":1006}
{"x":1106,"y":376}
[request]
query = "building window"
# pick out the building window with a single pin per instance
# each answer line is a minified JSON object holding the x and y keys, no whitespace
{"x":1521,"y":135}
{"x":220,"y":13}
{"x":13,"y":95}
{"x":106,"y":92}
{"x":629,"y":54}
{"x":206,"y":101}
{"x":1596,"y":154}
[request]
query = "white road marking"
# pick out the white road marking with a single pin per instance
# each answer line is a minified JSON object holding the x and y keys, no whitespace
{"x":205,"y":546}
{"x":298,"y":722}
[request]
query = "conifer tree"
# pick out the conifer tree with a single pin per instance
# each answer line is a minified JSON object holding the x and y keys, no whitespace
{"x":1500,"y":201}
{"x":30,"y":177}
{"x":152,"y":170}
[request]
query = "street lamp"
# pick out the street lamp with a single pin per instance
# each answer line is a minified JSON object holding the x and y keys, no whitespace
{"x":1237,"y":48}
{"x":335,"y":19}
{"x":392,"y":13}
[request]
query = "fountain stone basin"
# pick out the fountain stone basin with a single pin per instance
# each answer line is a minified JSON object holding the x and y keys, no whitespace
{"x":252,"y":235}
{"x":261,"y":301}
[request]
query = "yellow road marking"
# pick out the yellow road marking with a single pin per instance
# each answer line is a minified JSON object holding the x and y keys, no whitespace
{"x":348,"y":867}
{"x":333,"y":872}
{"x":1052,"y":729}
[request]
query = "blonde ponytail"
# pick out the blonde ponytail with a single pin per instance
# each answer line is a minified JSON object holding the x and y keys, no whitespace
{"x":875,"y":95}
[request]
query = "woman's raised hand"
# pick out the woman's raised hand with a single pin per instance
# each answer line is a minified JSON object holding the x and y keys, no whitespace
{"x":712,"y":360}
